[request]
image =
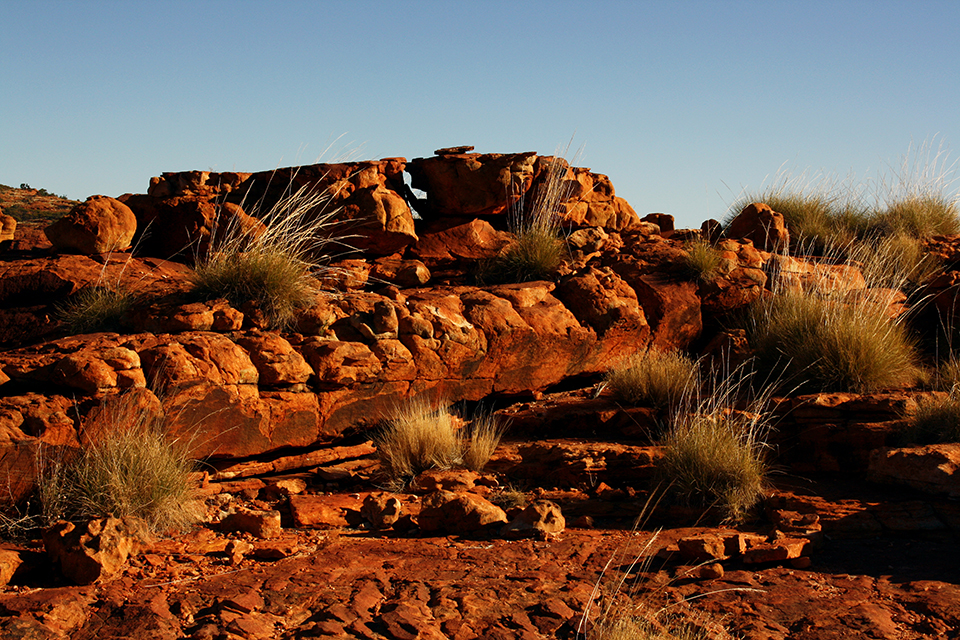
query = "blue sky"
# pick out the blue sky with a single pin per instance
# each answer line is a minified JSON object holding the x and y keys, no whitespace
{"x":682,"y":104}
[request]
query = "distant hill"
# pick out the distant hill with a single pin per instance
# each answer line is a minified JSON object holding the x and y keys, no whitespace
{"x":33,"y":205}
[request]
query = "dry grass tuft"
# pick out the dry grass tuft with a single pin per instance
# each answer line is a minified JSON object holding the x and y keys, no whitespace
{"x":418,"y":436}
{"x":702,"y":262}
{"x":96,"y":308}
{"x":714,"y":451}
{"x":936,"y":420}
{"x":656,"y":378}
{"x":272,"y":268}
{"x":483,"y":436}
{"x":820,"y":342}
{"x":421,"y":435}
{"x":134,"y":471}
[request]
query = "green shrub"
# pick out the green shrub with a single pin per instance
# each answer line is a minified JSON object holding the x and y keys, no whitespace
{"x":818,"y":342}
{"x":135,"y":470}
{"x":272,"y":267}
{"x":96,"y":308}
{"x":702,"y":261}
{"x":534,"y":254}
{"x":660,"y":379}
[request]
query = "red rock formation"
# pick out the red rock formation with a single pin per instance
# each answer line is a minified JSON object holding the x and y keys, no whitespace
{"x":99,"y":225}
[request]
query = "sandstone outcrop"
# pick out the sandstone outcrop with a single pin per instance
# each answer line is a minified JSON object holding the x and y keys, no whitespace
{"x":298,"y":537}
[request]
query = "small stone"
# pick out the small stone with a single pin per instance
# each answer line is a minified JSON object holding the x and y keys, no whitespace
{"x":261,"y":524}
{"x":702,"y":548}
{"x":539,"y":518}
{"x":237,"y":549}
{"x":712,"y":571}
{"x":381,"y":510}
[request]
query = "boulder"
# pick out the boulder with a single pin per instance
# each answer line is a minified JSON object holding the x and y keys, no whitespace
{"x":275,"y":359}
{"x":363,"y":200}
{"x":91,"y":550}
{"x":466,"y":184}
{"x":761,"y":224}
{"x":933,"y":468}
{"x":538,"y":519}
{"x":10,"y":561}
{"x":451,"y":242}
{"x":99,"y":225}
{"x":459,"y":513}
{"x":380,"y":510}
{"x":182,"y":227}
{"x":472,"y":184}
{"x":8,"y":227}
{"x":259,"y":524}
{"x":583,"y":198}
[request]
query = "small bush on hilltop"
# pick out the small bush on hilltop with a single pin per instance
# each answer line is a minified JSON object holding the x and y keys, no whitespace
{"x":135,"y":470}
{"x":819,"y":213}
{"x":656,"y":378}
{"x":272,"y":267}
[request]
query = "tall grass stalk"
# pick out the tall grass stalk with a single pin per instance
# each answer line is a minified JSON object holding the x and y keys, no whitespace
{"x":627,"y":609}
{"x":917,"y":200}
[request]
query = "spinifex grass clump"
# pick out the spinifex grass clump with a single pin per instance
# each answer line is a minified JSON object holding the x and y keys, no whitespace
{"x":714,"y":454}
{"x":659,"y":379}
{"x":96,"y":308}
{"x":273,"y":266}
{"x":421,"y":435}
{"x":936,"y":420}
{"x":702,"y":262}
{"x":822,"y":342}
{"x":819,"y":213}
{"x":538,"y":247}
{"x":134,"y":470}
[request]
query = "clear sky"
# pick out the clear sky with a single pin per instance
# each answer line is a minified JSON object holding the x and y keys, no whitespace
{"x":682,"y":104}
